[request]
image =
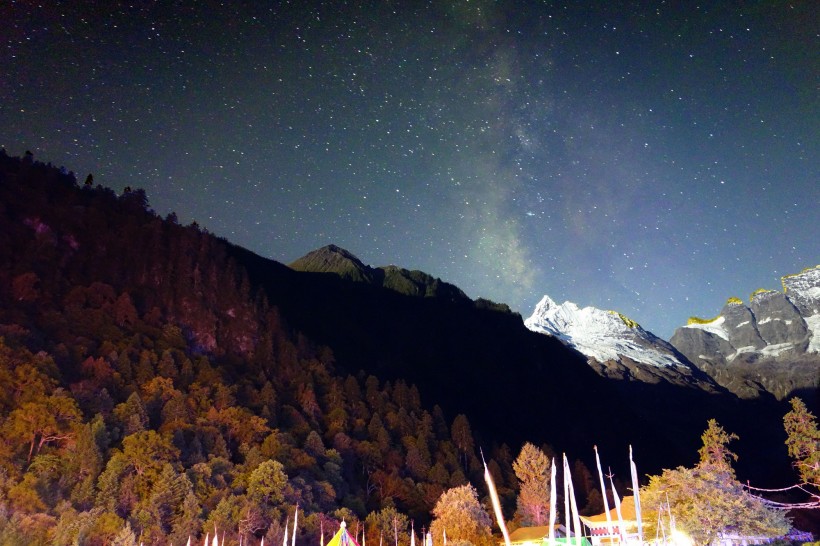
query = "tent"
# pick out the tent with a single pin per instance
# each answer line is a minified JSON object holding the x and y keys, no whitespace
{"x":342,"y":537}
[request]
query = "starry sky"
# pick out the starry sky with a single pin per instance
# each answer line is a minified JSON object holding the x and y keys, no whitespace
{"x":654,"y":158}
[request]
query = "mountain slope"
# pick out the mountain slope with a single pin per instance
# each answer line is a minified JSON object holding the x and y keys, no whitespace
{"x":616,"y":346}
{"x":769,"y":347}
{"x":336,"y":260}
{"x":468,"y":357}
{"x":516,"y":383}
{"x":332,"y":259}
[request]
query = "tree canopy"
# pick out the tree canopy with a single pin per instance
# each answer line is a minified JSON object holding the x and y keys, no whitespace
{"x":803,"y":442}
{"x":532,"y":468}
{"x":461,"y":515}
{"x":707,"y":501}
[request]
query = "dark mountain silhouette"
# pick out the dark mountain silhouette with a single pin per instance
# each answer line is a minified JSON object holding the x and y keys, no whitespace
{"x":130,"y":326}
{"x":332,"y":259}
{"x":515,"y":384}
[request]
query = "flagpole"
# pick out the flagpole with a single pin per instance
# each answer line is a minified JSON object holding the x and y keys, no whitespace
{"x":617,"y":500}
{"x":295,"y":519}
{"x":603,"y":493}
{"x":567,"y":522}
{"x":552,"y":504}
{"x":576,"y":520}
{"x":636,"y":490}
{"x":499,"y":516}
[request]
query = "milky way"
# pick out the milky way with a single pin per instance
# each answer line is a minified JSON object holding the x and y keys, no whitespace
{"x":650,"y":159}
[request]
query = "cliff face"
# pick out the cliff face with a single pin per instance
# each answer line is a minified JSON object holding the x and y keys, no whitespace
{"x":769,"y":347}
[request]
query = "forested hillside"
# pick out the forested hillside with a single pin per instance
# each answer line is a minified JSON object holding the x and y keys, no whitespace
{"x":159,"y":381}
{"x":159,"y":399}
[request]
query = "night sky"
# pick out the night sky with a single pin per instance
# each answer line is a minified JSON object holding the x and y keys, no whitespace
{"x":653,"y":158}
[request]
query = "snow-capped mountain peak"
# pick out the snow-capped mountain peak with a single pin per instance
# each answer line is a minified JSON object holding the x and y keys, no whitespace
{"x":803,"y":289}
{"x":599,"y":334}
{"x":770,"y":344}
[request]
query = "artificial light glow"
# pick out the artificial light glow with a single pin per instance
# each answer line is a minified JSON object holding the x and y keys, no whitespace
{"x":679,"y":538}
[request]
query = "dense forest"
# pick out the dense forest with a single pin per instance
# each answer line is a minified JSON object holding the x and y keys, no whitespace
{"x":151,"y":391}
{"x":172,"y":398}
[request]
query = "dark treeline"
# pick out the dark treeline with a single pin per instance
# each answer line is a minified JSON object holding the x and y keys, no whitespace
{"x":159,"y":382}
{"x":147,"y":387}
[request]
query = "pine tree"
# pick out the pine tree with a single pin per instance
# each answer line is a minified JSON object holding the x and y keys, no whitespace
{"x":462,"y":516}
{"x":803,"y":441}
{"x":532,"y":468}
{"x":707,"y":500}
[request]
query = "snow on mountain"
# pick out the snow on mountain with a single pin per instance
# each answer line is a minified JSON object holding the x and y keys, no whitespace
{"x":803,"y":289}
{"x":601,"y":335}
{"x":770,"y":345}
{"x":777,"y":320}
{"x":713,"y":327}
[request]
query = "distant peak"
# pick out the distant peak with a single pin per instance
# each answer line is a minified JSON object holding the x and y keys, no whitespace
{"x":625,"y":319}
{"x":696,"y":321}
{"x":545,"y":304}
{"x":809,"y":275}
{"x":760,"y":292}
{"x":336,"y":260}
{"x":802,"y":289}
{"x":599,"y":334}
{"x":333,"y":249}
{"x":333,"y":259}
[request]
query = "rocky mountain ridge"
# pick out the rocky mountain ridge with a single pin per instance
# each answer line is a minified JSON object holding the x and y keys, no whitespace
{"x":342,"y":263}
{"x":616,"y":346}
{"x":82,"y":254}
{"x":439,"y":343}
{"x":769,"y":347}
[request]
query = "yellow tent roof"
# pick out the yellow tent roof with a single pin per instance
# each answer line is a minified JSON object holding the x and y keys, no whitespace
{"x":627,"y":512}
{"x":524,"y":534}
{"x":342,"y":537}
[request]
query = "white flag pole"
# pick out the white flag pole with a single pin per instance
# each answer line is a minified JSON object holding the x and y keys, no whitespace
{"x":552,"y":504}
{"x":603,"y":493}
{"x":567,"y":521}
{"x":499,"y":516}
{"x":576,"y":520}
{"x":636,"y":490}
{"x":617,"y":500}
{"x":295,"y":519}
